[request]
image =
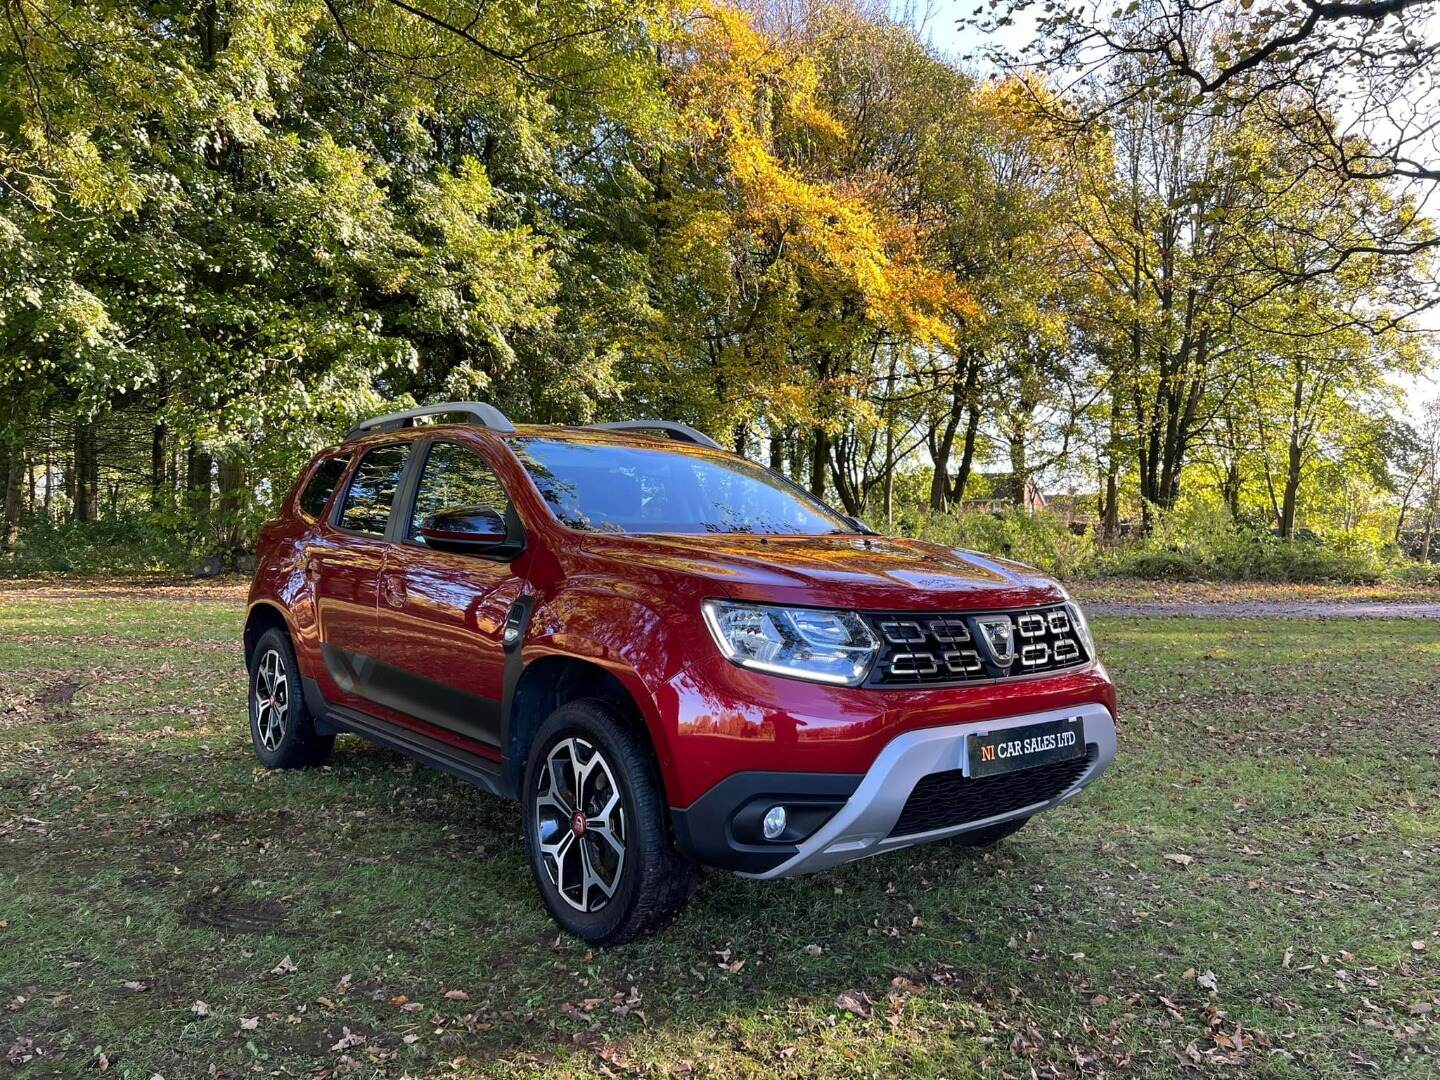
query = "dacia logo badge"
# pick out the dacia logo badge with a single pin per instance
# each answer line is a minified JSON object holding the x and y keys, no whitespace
{"x":998,"y":633}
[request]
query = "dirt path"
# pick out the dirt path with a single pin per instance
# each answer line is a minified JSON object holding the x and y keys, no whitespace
{"x":1367,"y":609}
{"x":230,"y":589}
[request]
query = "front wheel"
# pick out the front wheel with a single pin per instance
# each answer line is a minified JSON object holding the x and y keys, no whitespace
{"x":596,"y":827}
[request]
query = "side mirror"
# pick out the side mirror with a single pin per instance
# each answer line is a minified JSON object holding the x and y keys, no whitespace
{"x":467,"y":531}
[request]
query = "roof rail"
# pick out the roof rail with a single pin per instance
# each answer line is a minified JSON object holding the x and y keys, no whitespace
{"x":480,"y":414}
{"x":671,"y":428}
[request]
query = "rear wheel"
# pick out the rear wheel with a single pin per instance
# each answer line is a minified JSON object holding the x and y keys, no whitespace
{"x":282,"y":728}
{"x":596,"y":827}
{"x":991,"y":834}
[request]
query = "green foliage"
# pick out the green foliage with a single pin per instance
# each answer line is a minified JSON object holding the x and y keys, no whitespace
{"x":113,"y":545}
{"x":1194,"y":546}
{"x":227,"y":231}
{"x":1039,"y":540}
{"x":1208,"y":547}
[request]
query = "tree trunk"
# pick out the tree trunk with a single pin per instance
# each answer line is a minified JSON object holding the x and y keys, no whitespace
{"x":1020,"y":465}
{"x":14,"y":497}
{"x":86,"y":473}
{"x":1110,"y":516}
{"x":158,"y":499}
{"x":967,"y":457}
{"x":777,"y":450}
{"x":197,"y":480}
{"x":1232,"y":489}
{"x":49,"y":463}
{"x":232,"y":503}
{"x":819,"y":459}
{"x":940,"y":478}
{"x":1292,"y":491}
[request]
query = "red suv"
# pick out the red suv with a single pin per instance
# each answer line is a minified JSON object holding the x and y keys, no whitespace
{"x":670,"y":655}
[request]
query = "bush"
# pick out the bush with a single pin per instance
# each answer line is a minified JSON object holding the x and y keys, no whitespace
{"x":1199,"y":545}
{"x":1039,"y":540}
{"x":135,"y":545}
{"x":1202,"y":547}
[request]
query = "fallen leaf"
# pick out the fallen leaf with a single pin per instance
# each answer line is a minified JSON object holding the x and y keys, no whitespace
{"x":855,"y":1001}
{"x":1421,"y":1008}
{"x":814,"y":950}
{"x":1418,"y":944}
{"x":1180,"y":858}
{"x":284,"y":967}
{"x":347,"y":1040}
{"x":574,"y":1012}
{"x":456,"y":995}
{"x":200,"y":1009}
{"x":249,"y":1023}
{"x":1208,"y":980}
{"x":136,"y":987}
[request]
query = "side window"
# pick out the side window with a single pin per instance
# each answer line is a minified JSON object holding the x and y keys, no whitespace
{"x":372,"y":489}
{"x":316,"y":495}
{"x":456,"y":479}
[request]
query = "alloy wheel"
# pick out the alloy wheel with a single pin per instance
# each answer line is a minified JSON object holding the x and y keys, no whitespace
{"x":271,"y":700}
{"x":580,"y":824}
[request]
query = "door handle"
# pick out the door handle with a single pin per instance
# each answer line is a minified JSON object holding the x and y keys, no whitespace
{"x":394,"y":591}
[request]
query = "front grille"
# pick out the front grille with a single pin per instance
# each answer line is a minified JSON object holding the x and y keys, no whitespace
{"x":944,"y":800}
{"x":936,"y":649}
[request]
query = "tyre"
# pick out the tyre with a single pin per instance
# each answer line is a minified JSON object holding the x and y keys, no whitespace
{"x":596,"y":827}
{"x":991,"y":834}
{"x":282,"y":728}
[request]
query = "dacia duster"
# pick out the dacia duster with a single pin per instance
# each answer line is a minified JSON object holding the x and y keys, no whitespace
{"x":670,"y":655}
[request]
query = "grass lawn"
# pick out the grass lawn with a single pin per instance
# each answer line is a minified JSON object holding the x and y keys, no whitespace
{"x":1253,"y":890}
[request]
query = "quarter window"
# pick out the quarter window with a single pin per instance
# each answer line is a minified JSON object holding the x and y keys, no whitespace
{"x":456,"y":479}
{"x":321,"y":485}
{"x":372,"y":489}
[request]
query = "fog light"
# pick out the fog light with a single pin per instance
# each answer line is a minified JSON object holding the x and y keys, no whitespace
{"x":774,"y":823}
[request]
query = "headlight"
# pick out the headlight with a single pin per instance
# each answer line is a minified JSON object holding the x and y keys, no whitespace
{"x":823,"y":646}
{"x":1082,"y":629}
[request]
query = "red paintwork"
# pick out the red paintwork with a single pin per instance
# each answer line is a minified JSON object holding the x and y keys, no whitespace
{"x":631,"y":604}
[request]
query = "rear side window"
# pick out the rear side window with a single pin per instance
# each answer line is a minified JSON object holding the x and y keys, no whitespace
{"x":372,"y":489}
{"x":316,"y":495}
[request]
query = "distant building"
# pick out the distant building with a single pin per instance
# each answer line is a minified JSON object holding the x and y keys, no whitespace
{"x":1002,"y":495}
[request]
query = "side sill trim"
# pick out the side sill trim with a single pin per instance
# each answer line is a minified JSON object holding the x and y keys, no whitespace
{"x":479,"y":771}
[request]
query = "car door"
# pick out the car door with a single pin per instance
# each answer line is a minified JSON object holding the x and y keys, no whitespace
{"x":345,"y":567}
{"x":442,"y":613}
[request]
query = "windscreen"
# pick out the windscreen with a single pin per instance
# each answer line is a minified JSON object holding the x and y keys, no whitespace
{"x":629,"y":489}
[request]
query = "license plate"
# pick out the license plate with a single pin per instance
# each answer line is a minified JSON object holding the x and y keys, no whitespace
{"x":1013,"y":749}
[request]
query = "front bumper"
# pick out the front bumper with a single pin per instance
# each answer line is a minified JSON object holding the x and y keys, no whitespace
{"x":869,"y":805}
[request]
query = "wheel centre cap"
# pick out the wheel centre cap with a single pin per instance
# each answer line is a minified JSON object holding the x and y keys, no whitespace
{"x":577,"y":824}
